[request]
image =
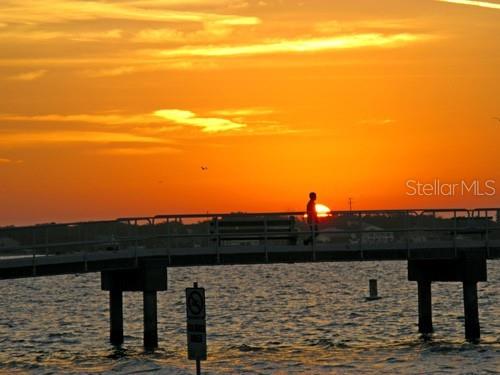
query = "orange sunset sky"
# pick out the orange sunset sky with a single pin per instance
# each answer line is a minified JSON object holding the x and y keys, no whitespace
{"x":110,"y":108}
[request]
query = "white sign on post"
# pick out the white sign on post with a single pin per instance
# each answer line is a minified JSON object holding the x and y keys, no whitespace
{"x":196,"y":324}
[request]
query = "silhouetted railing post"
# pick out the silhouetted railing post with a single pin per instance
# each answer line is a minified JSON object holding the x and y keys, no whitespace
{"x":265,"y":239}
{"x":313,"y":241}
{"x":169,"y":240}
{"x":129,"y":233}
{"x":360,"y":234}
{"x":455,"y":232}
{"x":79,"y":234}
{"x":407,"y":232}
{"x":34,"y":252}
{"x":217,"y":242}
{"x":46,"y":241}
{"x":136,"y":242}
{"x":487,"y":234}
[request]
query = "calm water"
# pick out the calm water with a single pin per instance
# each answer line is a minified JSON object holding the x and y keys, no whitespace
{"x":273,"y":319}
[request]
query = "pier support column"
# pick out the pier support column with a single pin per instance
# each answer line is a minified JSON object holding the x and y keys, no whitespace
{"x":149,"y":278}
{"x":424,"y":307}
{"x":150,"y":320}
{"x":471,"y":312}
{"x":467,"y":266}
{"x":116,"y":316}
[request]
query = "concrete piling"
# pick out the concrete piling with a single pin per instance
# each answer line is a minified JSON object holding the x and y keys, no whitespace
{"x":116,"y":316}
{"x":471,"y":312}
{"x":148,"y":279}
{"x":468,"y":268}
{"x":150,"y":320}
{"x":424,"y":307}
{"x":373,"y":288}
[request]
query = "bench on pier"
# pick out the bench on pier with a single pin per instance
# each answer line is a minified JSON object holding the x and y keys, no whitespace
{"x":254,"y":230}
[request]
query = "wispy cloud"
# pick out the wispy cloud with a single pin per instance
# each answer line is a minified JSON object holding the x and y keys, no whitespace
{"x":207,"y":124}
{"x":210,"y":32}
{"x":108,"y":119}
{"x":370,"y":25}
{"x":36,"y":138}
{"x":482,"y":4}
{"x":10,"y":161}
{"x":60,"y":11}
{"x":162,"y":116}
{"x":298,"y":45}
{"x":114,"y":72}
{"x":187,"y":58}
{"x":138,"y":150}
{"x":152,"y":66}
{"x":163,"y":3}
{"x":270,"y":128}
{"x":150,"y":127}
{"x":28,"y":76}
{"x":30,"y":35}
{"x":243,"y":112}
{"x":33,"y":34}
{"x":96,"y":36}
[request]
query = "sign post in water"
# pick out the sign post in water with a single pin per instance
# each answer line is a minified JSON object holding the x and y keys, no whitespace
{"x":196,"y":325}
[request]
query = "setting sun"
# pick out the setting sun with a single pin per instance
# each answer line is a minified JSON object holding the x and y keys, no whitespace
{"x":322,"y":210}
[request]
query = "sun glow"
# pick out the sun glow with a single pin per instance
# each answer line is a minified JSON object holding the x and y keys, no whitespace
{"x":322,"y":210}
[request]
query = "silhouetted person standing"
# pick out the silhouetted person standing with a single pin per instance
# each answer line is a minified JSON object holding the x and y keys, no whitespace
{"x":312,"y":217}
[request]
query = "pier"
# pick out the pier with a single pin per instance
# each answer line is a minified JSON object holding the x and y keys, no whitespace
{"x":133,"y":254}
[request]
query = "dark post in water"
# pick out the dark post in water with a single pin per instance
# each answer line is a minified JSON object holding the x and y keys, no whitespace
{"x":373,"y":289}
{"x":424,"y":307}
{"x":150,"y":320}
{"x":116,"y":316}
{"x":471,"y":312}
{"x":149,"y":278}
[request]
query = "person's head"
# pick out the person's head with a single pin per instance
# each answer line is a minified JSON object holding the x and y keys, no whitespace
{"x":312,"y":195}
